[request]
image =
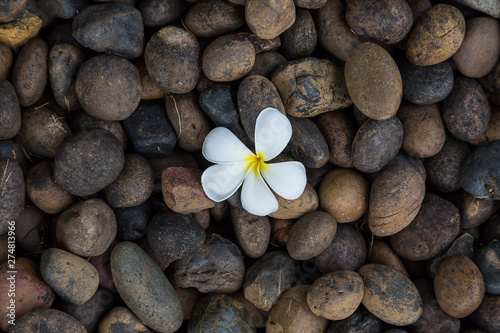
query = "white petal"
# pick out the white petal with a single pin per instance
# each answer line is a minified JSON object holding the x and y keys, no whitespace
{"x":287,"y":179}
{"x":222,"y":146}
{"x":256,"y":197}
{"x":220,"y":181}
{"x":272,"y":133}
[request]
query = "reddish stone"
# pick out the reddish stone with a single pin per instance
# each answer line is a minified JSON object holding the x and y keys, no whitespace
{"x":182,"y":190}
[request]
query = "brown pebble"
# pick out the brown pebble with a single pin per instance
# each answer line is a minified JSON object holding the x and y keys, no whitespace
{"x":390,"y":295}
{"x":436,"y":36}
{"x":292,"y":209}
{"x":182,"y":190}
{"x":335,"y":296}
{"x":459,"y":286}
{"x":480,"y":48}
{"x":311,"y":235}
{"x":344,"y":194}
{"x":373,"y":81}
{"x":252,"y":232}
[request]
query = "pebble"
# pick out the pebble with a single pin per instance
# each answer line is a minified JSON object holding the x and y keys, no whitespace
{"x":382,"y":253}
{"x":121,"y":320}
{"x":252,"y":232}
{"x":219,"y":312}
{"x":268,"y":278}
{"x":61,"y":269}
{"x":373,"y":81}
{"x":435,"y":226}
{"x":31,"y":66}
{"x":319,"y":88}
{"x":133,"y":186}
{"x":299,"y":41}
{"x":132,"y":222}
{"x":47,"y":320}
{"x":280,"y":15}
{"x":292,"y":209}
{"x":399,"y":304}
{"x":150,"y":132}
{"x":16,"y":33}
{"x":335,"y":296}
{"x":291,"y":313}
{"x":182,"y":190}
{"x":360,"y":321}
{"x":311,"y":235}
{"x":480,"y":48}
{"x":64,"y":61}
{"x":486,"y":315}
{"x":307,"y":145}
{"x":443,"y":169}
{"x":110,"y":27}
{"x":479,"y":172}
{"x":217,"y":103}
{"x":343,"y":193}
{"x":435,"y":320}
{"x":101,"y":83}
{"x":487,"y":260}
{"x":34,"y":292}
{"x":459,"y":286}
{"x":145,"y":289}
{"x":466,"y":111}
{"x":175,"y":236}
{"x":256,"y":88}
{"x":347,"y":251}
{"x":71,"y":170}
{"x":338,"y":130}
{"x":172,"y":58}
{"x":376,"y":144}
{"x":396,"y":196}
{"x":217,"y":268}
{"x":191,"y":125}
{"x":10,"y":115}
{"x":91,"y":312}
{"x":387,"y":21}
{"x":424,"y":130}
{"x":334,"y":34}
{"x":424,"y":85}
{"x":436,"y":36}
{"x":13,"y":193}
{"x":96,"y":218}
{"x":490,"y":7}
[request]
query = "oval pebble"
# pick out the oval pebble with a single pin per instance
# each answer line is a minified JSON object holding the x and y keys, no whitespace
{"x":145,"y":289}
{"x":61,"y":269}
{"x":480,"y":48}
{"x":459,"y":286}
{"x":373,"y":81}
{"x":425,"y":85}
{"x":311,"y":235}
{"x":335,"y":296}
{"x":436,"y":36}
{"x":390,"y":295}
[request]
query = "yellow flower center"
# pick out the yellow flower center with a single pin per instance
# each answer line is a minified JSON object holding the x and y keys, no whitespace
{"x":256,"y":163}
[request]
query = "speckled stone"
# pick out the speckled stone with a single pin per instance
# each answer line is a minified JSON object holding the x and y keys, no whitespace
{"x":145,"y":289}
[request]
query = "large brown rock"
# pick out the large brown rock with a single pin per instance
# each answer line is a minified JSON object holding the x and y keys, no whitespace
{"x":182,"y":190}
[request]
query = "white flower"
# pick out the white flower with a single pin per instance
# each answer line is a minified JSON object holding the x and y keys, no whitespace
{"x":236,"y":165}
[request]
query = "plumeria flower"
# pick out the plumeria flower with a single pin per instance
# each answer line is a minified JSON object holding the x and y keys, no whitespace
{"x":237,"y":165}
